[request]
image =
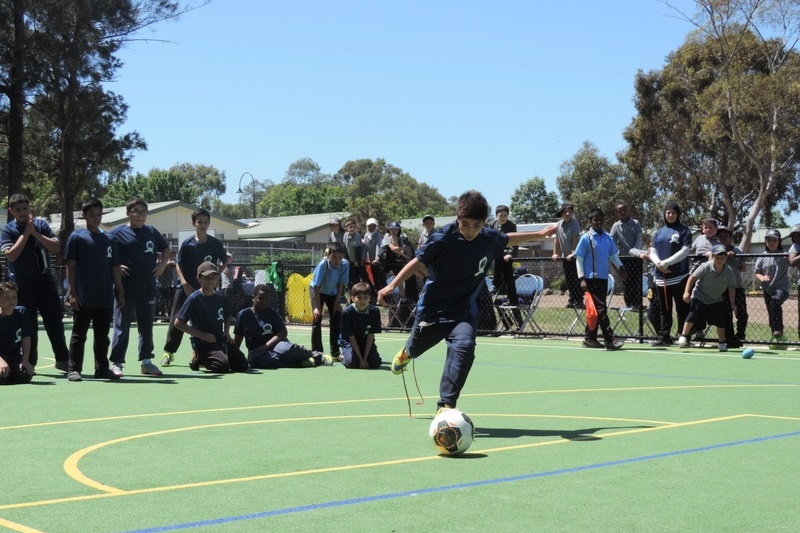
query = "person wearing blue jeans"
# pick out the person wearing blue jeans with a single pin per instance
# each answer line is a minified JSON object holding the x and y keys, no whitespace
{"x":144,"y":255}
{"x":455,"y":261}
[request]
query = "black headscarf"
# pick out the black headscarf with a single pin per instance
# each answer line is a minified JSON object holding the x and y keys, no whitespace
{"x":674,"y":207}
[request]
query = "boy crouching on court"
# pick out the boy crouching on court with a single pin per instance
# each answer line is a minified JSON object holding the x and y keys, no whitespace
{"x":206,"y":316}
{"x":361,"y":320}
{"x":15,"y":338}
{"x":710,"y":280}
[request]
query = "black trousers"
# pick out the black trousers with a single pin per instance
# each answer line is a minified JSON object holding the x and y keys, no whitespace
{"x":598,"y":288}
{"x":668,"y":297}
{"x":100,"y":319}
{"x":329,"y":301}
{"x":174,"y":335}
{"x":44,"y":299}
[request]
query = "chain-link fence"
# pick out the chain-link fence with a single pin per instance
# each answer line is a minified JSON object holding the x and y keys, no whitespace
{"x":549,"y":301}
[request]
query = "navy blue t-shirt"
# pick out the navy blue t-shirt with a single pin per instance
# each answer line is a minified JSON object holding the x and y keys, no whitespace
{"x":13,"y":329}
{"x":206,"y":313}
{"x":258,"y":328}
{"x":96,"y":256}
{"x":138,"y":250}
{"x":359,"y":325}
{"x":192,"y":254}
{"x":33,"y":264}
{"x":456,"y":271}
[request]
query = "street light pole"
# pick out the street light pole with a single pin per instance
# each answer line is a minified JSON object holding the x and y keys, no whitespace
{"x":240,"y":191}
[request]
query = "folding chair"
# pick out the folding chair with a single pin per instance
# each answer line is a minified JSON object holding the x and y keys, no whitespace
{"x":622,"y":311}
{"x":400,"y":311}
{"x":529,"y":291}
{"x":580,"y":314}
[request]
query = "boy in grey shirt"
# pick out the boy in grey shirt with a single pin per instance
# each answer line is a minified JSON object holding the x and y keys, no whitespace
{"x":710,"y":280}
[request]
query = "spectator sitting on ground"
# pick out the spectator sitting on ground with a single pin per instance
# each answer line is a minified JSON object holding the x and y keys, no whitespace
{"x":361,"y":320}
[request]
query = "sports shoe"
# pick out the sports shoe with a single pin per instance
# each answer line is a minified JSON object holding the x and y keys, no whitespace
{"x":775,"y":340}
{"x":74,"y":376}
{"x":723,"y":347}
{"x":149,"y":369}
{"x":307,"y":363}
{"x":106,"y":373}
{"x":194,"y":363}
{"x":327,"y":360}
{"x":613,"y":344}
{"x":443,"y":408}
{"x":167,"y":358}
{"x":683,"y":342}
{"x":63,"y":366}
{"x":591,"y":343}
{"x":117,"y":369}
{"x":400,"y":361}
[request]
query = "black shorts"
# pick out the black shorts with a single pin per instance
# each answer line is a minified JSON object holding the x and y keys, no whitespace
{"x":713,"y":314}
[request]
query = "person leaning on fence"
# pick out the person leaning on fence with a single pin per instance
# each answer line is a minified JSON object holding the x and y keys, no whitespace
{"x":669,"y":252}
{"x":568,"y":231}
{"x":328,"y":282}
{"x":794,"y":261}
{"x":361,"y":320}
{"x":772,"y":271}
{"x":15,"y":338}
{"x":627,"y":235}
{"x":735,"y":337}
{"x":27,"y":243}
{"x":595,"y":249}
{"x":264,"y":333}
{"x":206,"y":316}
{"x":195,"y":250}
{"x":703,"y":293}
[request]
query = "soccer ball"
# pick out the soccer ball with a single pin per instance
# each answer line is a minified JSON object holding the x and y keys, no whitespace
{"x":452,"y":432}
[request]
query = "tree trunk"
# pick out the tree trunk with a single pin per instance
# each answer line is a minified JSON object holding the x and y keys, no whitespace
{"x":16,"y":156}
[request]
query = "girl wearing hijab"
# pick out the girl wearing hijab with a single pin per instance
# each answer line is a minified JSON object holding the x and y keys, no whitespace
{"x":669,"y":252}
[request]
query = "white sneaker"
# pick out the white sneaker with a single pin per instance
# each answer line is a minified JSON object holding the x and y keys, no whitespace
{"x":683,"y":342}
{"x":723,"y":347}
{"x":116,"y":369}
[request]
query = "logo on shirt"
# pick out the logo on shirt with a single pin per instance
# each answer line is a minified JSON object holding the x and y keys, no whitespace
{"x":150,"y":247}
{"x":207,"y":258}
{"x":108,"y":253}
{"x":267,"y":328}
{"x":18,"y":338}
{"x":219,"y":315}
{"x":674,"y":237}
{"x":482,"y":266}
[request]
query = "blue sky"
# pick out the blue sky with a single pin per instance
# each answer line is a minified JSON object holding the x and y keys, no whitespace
{"x":460,"y":95}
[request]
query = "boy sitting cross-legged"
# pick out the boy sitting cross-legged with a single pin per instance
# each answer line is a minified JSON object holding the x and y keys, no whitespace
{"x":361,"y":320}
{"x":206,"y":316}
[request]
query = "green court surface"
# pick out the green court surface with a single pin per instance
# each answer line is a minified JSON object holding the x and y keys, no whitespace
{"x":569,"y":439}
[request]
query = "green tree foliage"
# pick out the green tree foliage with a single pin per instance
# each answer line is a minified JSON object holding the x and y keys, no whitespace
{"x":287,"y":199}
{"x":590,"y":180}
{"x":194,"y":184}
{"x":719,"y":126}
{"x":531,"y":203}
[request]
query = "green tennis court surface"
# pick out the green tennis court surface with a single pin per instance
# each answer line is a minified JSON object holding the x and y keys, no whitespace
{"x":569,"y":439}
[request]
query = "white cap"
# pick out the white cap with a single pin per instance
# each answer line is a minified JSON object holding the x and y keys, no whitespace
{"x":372,"y":221}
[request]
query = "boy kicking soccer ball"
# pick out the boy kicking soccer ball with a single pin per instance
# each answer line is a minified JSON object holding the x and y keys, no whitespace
{"x":455,"y":261}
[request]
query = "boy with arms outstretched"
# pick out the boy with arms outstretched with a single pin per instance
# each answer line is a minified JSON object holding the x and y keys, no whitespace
{"x":455,"y":261}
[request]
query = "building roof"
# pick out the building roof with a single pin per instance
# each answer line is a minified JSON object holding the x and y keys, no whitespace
{"x":281,"y":229}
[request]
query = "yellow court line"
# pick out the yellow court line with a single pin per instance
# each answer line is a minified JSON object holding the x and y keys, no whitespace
{"x":338,"y":468}
{"x":372,"y":400}
{"x":776,"y":417}
{"x":13,"y":526}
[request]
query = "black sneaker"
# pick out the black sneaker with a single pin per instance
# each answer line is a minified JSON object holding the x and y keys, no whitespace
{"x":194,"y":364}
{"x":591,"y":343}
{"x":613,"y":344}
{"x":106,"y":373}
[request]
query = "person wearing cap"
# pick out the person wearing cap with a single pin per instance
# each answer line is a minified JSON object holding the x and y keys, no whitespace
{"x":735,"y":337}
{"x":772,"y":271}
{"x":207,"y":317}
{"x":144,"y":256}
{"x":703,"y":293}
{"x":669,"y":252}
{"x":627,"y":235}
{"x":568,"y":231}
{"x":456,"y":261}
{"x":395,"y":254}
{"x":193,"y":251}
{"x":504,"y":267}
{"x":337,"y":232}
{"x":429,"y":226}
{"x":373,"y":240}
{"x":794,"y":261}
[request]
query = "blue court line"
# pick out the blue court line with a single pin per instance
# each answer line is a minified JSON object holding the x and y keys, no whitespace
{"x":444,"y":488}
